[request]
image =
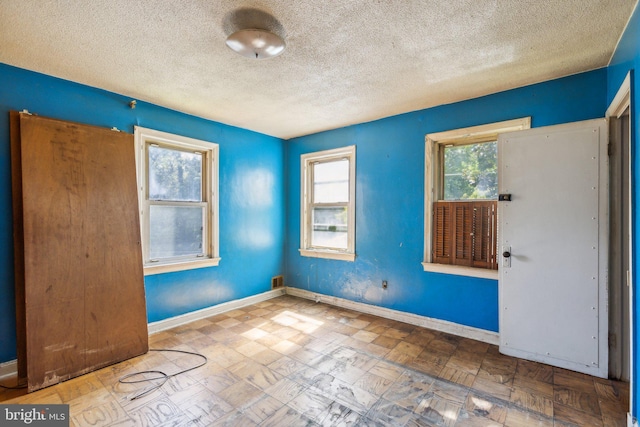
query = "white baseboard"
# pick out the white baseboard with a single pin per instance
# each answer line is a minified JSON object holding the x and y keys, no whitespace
{"x":401,"y":316}
{"x":8,"y":369}
{"x":172,"y":322}
{"x":631,"y":421}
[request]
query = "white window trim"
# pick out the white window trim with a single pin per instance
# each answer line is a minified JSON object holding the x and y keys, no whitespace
{"x":433,"y":141}
{"x":142,"y":136}
{"x":305,"y":213}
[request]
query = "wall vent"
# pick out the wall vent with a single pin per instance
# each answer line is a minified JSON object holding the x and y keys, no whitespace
{"x":277,"y":282}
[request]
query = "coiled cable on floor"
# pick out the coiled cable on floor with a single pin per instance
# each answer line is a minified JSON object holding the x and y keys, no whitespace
{"x":162,"y":377}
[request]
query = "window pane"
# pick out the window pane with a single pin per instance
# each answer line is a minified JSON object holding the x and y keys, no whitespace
{"x":329,"y":227}
{"x":331,"y":181}
{"x":175,"y":231}
{"x":470,"y":171}
{"x":174,"y":175}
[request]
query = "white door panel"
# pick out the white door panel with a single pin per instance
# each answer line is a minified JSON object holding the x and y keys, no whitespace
{"x":553,"y":294}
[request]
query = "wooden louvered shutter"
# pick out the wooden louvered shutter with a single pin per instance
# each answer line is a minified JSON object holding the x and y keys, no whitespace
{"x":441,"y":239}
{"x":464,"y":233}
{"x":484,"y":235}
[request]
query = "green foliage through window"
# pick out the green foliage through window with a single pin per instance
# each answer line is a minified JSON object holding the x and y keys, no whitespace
{"x":471,"y":171}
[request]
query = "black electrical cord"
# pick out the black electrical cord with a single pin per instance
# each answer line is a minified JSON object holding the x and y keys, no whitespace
{"x":159,"y":375}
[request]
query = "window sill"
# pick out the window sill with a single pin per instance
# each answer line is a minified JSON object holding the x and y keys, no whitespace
{"x":460,"y":270}
{"x":315,"y":253}
{"x":179,"y":266}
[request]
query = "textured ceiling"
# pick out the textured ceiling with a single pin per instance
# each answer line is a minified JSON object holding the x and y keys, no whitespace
{"x":346,"y":62}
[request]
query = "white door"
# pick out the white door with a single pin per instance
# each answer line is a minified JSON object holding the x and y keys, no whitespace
{"x":553,"y":237}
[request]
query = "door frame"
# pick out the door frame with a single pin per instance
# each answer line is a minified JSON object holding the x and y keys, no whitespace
{"x":618,"y":106}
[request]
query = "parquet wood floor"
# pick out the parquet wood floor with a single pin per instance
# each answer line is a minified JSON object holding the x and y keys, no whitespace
{"x":293,"y":362}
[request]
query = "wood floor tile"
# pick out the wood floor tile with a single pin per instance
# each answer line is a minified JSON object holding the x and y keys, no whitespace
{"x":105,"y":414}
{"x":262,"y":408}
{"x":574,"y":380}
{"x":290,"y":361}
{"x":286,"y":416}
{"x":519,"y":417}
{"x":386,"y":342}
{"x":407,"y":396}
{"x":487,"y":407}
{"x":533,"y":402}
{"x":232,"y":419}
{"x":389,"y":414}
{"x":216,"y":378}
{"x":442,"y":346}
{"x":438,"y":411}
{"x":157,"y":412}
{"x":239,"y":394}
{"x":585,"y":402}
{"x":492,"y":388}
{"x":312,"y":405}
{"x":472,"y":420}
{"x":537,"y":387}
{"x":470,"y":366}
{"x":394,"y":333}
{"x":534,"y":371}
{"x":365,"y":336}
{"x":340,"y":415}
{"x":251,"y":348}
{"x":569,"y":415}
{"x":373,"y":384}
{"x":206,"y":408}
{"x":346,"y":394}
{"x":460,"y":377}
{"x":425,"y":366}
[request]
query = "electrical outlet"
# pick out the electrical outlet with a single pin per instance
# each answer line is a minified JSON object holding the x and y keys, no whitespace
{"x":384,"y":284}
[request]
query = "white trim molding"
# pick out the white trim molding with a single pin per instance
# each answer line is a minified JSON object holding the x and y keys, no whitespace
{"x":432,"y":182}
{"x":308,"y":163}
{"x":622,"y":100}
{"x":209,"y":202}
{"x":8,"y":369}
{"x":182,"y":319}
{"x":477,"y":334}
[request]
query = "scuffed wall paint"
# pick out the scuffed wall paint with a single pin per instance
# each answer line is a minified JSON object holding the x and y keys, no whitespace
{"x":390,"y":201}
{"x":251,"y":195}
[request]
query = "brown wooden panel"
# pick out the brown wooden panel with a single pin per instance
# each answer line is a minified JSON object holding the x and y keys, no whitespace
{"x":441,"y":236}
{"x":464,"y":233}
{"x":84,"y":290}
{"x":18,"y":245}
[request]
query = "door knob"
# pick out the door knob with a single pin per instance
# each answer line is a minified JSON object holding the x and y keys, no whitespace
{"x":506,"y":254}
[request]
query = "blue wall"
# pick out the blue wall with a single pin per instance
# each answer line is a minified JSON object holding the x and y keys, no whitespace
{"x":251,"y":195}
{"x":627,"y":59}
{"x":256,"y":171}
{"x":390,"y":201}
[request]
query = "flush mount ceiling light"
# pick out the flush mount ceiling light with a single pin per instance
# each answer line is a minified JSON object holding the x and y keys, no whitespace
{"x":256,"y":44}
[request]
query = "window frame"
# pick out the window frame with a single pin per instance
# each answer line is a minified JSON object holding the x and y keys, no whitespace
{"x":306,"y":203}
{"x":143,"y":137}
{"x":433,"y":183}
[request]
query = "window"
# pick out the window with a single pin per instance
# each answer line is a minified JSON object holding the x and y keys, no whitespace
{"x":177,"y":183}
{"x":328,"y":204}
{"x":461,"y":190}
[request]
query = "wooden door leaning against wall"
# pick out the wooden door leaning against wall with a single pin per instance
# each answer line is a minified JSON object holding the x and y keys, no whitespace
{"x":80,"y":299}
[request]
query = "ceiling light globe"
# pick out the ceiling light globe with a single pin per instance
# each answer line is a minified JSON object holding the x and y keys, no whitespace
{"x":256,"y":44}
